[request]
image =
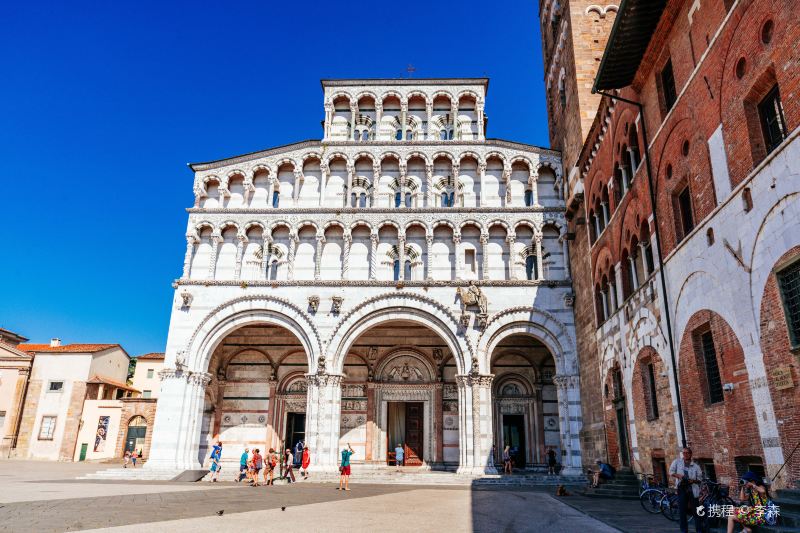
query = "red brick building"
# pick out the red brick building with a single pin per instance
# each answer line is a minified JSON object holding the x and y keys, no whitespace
{"x":697,"y":296}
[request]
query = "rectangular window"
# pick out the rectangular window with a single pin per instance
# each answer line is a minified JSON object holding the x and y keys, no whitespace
{"x":55,"y":386}
{"x":469,"y":261}
{"x":789,"y":287}
{"x":707,"y":466}
{"x":649,"y":386}
{"x":708,"y":355}
{"x":683,"y":201}
{"x":47,"y":428}
{"x":149,"y":373}
{"x":147,"y":394}
{"x":668,"y":86}
{"x":770,"y":111}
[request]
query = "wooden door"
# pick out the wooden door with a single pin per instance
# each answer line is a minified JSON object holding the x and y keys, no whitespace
{"x":414,"y":433}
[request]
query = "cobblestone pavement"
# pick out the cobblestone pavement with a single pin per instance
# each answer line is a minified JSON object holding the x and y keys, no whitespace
{"x":52,"y":500}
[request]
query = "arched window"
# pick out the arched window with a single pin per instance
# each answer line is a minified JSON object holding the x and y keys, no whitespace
{"x":399,"y":135}
{"x":396,"y":269}
{"x":452,"y":201}
{"x":531,"y":267}
{"x":397,"y":198}
{"x":365,"y":135}
{"x":409,"y":135}
{"x":356,"y":135}
{"x":528,"y":197}
{"x":408,"y":199}
{"x":362,"y":200}
{"x":273,"y":270}
{"x":443,"y":135}
{"x":450,"y":135}
{"x":445,"y":199}
{"x":276,"y":198}
{"x":407,"y":270}
{"x":353,"y":199}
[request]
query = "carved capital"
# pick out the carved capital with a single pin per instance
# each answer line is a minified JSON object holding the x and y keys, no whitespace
{"x":323,"y":379}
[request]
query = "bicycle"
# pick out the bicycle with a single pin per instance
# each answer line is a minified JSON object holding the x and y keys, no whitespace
{"x":650,"y":495}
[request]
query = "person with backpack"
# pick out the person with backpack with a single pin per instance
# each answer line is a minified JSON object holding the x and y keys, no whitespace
{"x":258,"y":464}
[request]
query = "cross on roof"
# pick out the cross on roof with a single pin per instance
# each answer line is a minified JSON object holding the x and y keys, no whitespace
{"x":411,"y":69}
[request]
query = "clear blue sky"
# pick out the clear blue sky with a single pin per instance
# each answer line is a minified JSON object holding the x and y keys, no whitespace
{"x":104,"y":104}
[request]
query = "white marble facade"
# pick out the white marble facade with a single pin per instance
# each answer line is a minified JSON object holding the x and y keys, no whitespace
{"x":402,"y":258}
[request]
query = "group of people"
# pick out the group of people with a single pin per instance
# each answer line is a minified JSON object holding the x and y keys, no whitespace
{"x":510,"y":454}
{"x":251,"y":465}
{"x":130,"y":457}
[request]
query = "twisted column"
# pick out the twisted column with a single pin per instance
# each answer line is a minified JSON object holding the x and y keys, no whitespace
{"x":454,"y":114}
{"x":403,"y":120}
{"x":376,"y":177}
{"x":482,"y":172}
{"x":351,"y":170}
{"x":216,"y":238}
{"x":485,"y":251}
{"x":373,"y":255}
{"x":323,"y":177}
{"x":242,"y":241}
{"x":191,"y":240}
{"x":457,"y":252}
{"x":353,"y":115}
{"x":479,"y":111}
{"x":328,"y":116}
{"x":512,"y":271}
{"x":348,"y":241}
{"x":401,"y":256}
{"x":429,"y":257}
{"x":539,"y":262}
{"x":298,"y":182}
{"x":378,"y":118}
{"x":266,"y":251}
{"x":428,"y":185}
{"x":292,"y":250}
{"x":318,"y":256}
{"x":507,"y":181}
{"x":429,"y":114}
{"x":533,"y":179}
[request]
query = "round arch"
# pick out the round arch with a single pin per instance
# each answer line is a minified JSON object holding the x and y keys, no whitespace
{"x":249,"y":310}
{"x":398,"y":306}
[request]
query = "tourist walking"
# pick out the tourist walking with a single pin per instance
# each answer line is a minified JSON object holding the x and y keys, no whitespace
{"x":134,"y":457}
{"x":306,"y":461}
{"x":687,"y":475}
{"x":216,"y":457}
{"x":243,"y":469}
{"x":551,"y":462}
{"x":288,"y":472}
{"x":344,"y":468}
{"x":399,"y":455}
{"x":269,"y":467}
{"x":258,"y":464}
{"x":126,"y":459}
{"x":507,"y":460}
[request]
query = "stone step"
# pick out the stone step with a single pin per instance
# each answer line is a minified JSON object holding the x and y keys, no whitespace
{"x":133,"y":474}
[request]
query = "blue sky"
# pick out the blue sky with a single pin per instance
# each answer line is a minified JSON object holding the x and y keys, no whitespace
{"x":104,"y":104}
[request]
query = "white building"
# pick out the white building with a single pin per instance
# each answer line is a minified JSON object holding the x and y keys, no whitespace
{"x":401,"y":280}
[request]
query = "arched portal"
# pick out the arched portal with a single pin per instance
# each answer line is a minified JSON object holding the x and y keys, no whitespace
{"x":525,"y":401}
{"x":399,"y":389}
{"x":257,"y":394}
{"x":136,"y":434}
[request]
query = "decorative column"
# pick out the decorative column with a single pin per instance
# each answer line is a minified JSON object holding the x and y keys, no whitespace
{"x":428,"y":185}
{"x":318,"y":256}
{"x":606,"y":214}
{"x":596,"y":218}
{"x":454,"y":114}
{"x":298,"y":182}
{"x":370,"y":420}
{"x":373,"y":255}
{"x":403,"y":116}
{"x":512,"y":271}
{"x":634,"y":162}
{"x":475,"y":413}
{"x":177,"y":426}
{"x":273,"y":182}
{"x":507,"y":181}
{"x":348,"y":241}
{"x":429,"y":257}
{"x":438,"y":423}
{"x":290,"y":260}
{"x":570,"y":421}
{"x":632,"y":267}
{"x":323,"y":176}
{"x":644,"y":260}
{"x":273,"y":439}
{"x":456,"y":169}
{"x":618,"y":285}
{"x":216,"y":238}
{"x":249,"y":188}
{"x":401,"y":256}
{"x":539,"y":261}
{"x":482,"y":173}
{"x":323,"y":415}
{"x":565,"y":248}
{"x":376,"y":178}
{"x":533,"y":180}
{"x":353,"y":117}
{"x":328,"y":117}
{"x":429,"y":114}
{"x":266,"y":252}
{"x":457,"y":253}
{"x":351,"y":170}
{"x":624,"y":172}
{"x":481,"y":127}
{"x":485,"y":251}
{"x":378,"y":118}
{"x":191,"y":240}
{"x":242,"y":240}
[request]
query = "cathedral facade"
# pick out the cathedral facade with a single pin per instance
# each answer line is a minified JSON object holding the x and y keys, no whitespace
{"x":403,"y":281}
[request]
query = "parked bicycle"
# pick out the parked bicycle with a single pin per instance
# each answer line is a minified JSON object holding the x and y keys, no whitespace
{"x":651,"y":494}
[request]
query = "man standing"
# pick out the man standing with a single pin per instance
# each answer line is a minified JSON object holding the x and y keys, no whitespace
{"x":298,"y":453}
{"x":687,"y":475}
{"x":399,"y":455}
{"x":344,"y":469}
{"x":288,"y":465}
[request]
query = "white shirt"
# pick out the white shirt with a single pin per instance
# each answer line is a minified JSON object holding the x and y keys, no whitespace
{"x":690,"y":470}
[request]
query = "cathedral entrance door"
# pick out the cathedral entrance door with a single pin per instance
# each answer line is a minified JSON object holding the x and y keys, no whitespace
{"x":295,"y":430}
{"x":514,"y":436}
{"x":414,"y":437}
